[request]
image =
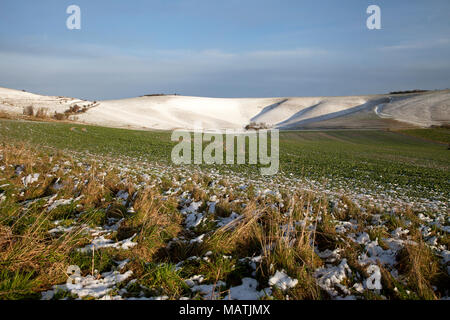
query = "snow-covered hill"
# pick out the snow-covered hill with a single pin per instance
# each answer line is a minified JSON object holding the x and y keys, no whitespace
{"x":170,"y":112}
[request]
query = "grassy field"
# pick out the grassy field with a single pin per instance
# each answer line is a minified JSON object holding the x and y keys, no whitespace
{"x":366,"y":158}
{"x":441,"y":135}
{"x":138,"y":227}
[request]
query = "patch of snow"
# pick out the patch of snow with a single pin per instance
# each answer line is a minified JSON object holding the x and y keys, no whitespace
{"x":344,"y":226}
{"x":122,"y":264}
{"x":212,"y":207}
{"x":329,"y":256}
{"x":195,"y":280}
{"x":90,"y":286}
{"x":330,"y":278}
{"x":212,"y":291}
{"x":363,"y":238}
{"x":247,"y":291}
{"x":375,"y":254}
{"x":199,"y":239}
{"x":282,"y":281}
{"x":358,"y":287}
{"x":30,"y":179}
{"x":61,"y":202}
{"x":399,"y":232}
{"x":225,"y":221}
{"x":193,"y":207}
{"x":193,"y":220}
{"x":60,"y":229}
{"x":123,"y":195}
{"x":102,"y":242}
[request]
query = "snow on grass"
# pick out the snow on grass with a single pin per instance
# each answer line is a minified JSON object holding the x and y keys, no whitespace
{"x":330,"y":278}
{"x":329,"y":256}
{"x":228,"y":220}
{"x":247,"y":291}
{"x":90,"y":286}
{"x":282,"y":281}
{"x":375,"y":254}
{"x":102,"y":242}
{"x":198,"y":239}
{"x":336,"y":276}
{"x":209,"y":291}
{"x":194,"y":220}
{"x":61,"y":202}
{"x":30,"y":179}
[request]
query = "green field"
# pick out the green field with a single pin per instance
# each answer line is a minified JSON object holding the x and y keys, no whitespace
{"x":408,"y":159}
{"x":110,"y":202}
{"x":441,"y":135}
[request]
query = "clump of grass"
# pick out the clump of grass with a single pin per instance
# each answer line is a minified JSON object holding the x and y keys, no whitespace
{"x":101,"y":260}
{"x":216,"y":267}
{"x":263,"y":230}
{"x":163,"y":279}
{"x":5,"y":115}
{"x":31,"y":113}
{"x":290,"y":248}
{"x":17,"y":285}
{"x":223,"y":208}
{"x":239,"y":234}
{"x":33,"y":250}
{"x":60,"y":116}
{"x":166,"y":184}
{"x":28,"y":111}
{"x":348,"y":211}
{"x":95,"y":217}
{"x":155,"y":222}
{"x":42,"y":113}
{"x":198,"y":194}
{"x":420,"y":268}
{"x":64,"y":212}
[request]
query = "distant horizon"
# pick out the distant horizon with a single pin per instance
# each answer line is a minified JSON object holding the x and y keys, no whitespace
{"x":421,"y":90}
{"x":233,"y":49}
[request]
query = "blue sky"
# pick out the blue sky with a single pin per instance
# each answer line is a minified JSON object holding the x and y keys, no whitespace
{"x":245,"y":48}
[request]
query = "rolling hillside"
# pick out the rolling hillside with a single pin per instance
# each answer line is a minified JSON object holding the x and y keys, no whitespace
{"x":168,"y":112}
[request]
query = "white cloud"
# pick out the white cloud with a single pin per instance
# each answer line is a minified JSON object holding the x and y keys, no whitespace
{"x":418,"y":45}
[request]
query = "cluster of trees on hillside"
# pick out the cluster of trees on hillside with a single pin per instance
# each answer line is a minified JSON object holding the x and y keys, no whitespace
{"x":257,"y":126}
{"x":408,"y":91}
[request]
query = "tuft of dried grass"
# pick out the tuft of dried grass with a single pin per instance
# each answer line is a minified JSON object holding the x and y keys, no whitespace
{"x":42,"y":113}
{"x":60,"y":116}
{"x":420,"y":267}
{"x":5,"y":115}
{"x":28,"y":111}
